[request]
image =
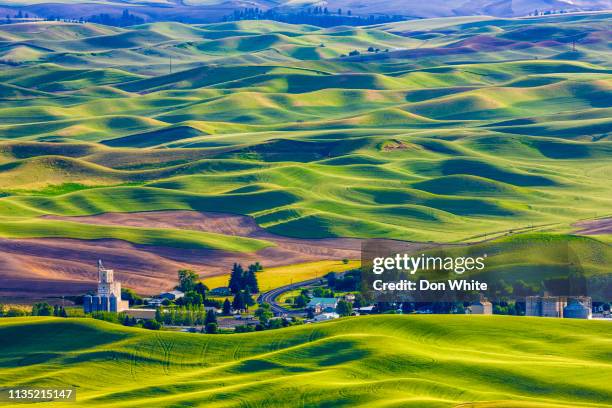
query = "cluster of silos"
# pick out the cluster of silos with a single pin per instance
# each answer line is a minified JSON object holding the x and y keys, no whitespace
{"x":576,"y":310}
{"x":99,"y":303}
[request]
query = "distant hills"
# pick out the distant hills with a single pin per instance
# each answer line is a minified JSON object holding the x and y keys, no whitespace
{"x":446,"y":8}
{"x":206,"y":11}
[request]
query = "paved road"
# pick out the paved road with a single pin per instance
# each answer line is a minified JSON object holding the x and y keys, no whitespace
{"x":270,"y":296}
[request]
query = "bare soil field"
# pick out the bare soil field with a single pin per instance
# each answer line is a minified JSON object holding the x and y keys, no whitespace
{"x":32,"y":268}
{"x":595,"y":227}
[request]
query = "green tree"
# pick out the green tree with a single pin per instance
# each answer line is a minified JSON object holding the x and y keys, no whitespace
{"x":359,"y":300}
{"x":275,"y":324}
{"x":211,"y":317}
{"x":250,"y":280}
{"x":227,"y":307}
{"x":42,"y":309}
{"x":201,"y":288}
{"x":62,"y":312}
{"x":187,"y":280}
{"x":264,"y":313}
{"x":211,"y":328}
{"x":192,"y":298}
{"x":344,"y":308}
{"x":129,"y":295}
{"x":238,"y":302}
{"x":301,"y":301}
{"x":2,"y":311}
{"x":236,"y":279}
{"x":248,"y":299}
{"x":15,"y":312}
{"x":151,"y":325}
{"x":323,"y":292}
{"x":158,"y":315}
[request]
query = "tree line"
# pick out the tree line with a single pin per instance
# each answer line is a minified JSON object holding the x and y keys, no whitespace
{"x":318,"y":16}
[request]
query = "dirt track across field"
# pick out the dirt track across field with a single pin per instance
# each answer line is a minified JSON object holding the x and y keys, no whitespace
{"x":35,"y":268}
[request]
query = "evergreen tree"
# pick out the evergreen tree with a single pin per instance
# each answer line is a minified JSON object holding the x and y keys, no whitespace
{"x":251,"y":279}
{"x":201,"y":288}
{"x":236,"y":278}
{"x":211,"y":317}
{"x":247,"y":299}
{"x":227,"y":307}
{"x":238,"y":302}
{"x":63,"y":312}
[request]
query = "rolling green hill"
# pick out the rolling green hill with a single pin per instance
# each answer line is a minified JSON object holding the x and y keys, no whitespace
{"x":390,"y":361}
{"x":443,"y":130}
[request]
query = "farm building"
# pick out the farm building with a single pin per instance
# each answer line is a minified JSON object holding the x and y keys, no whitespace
{"x":325,"y":316}
{"x":545,"y":306}
{"x":108,"y":297}
{"x":323,"y":305}
{"x":577,"y":310}
{"x":145,"y":314}
{"x":481,"y":307}
{"x":172,"y":295}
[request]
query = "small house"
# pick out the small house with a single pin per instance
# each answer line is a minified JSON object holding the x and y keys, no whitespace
{"x":144,"y":314}
{"x":483,"y":307}
{"x":325,"y":316}
{"x":323,"y":305}
{"x":172,"y":295}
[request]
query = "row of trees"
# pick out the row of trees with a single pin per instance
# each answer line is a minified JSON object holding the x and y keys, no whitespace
{"x":124,"y":319}
{"x":38,"y":309}
{"x":241,"y":280}
{"x":125,"y":19}
{"x":319,"y":16}
{"x":185,"y":316}
{"x":194,"y":289}
{"x":12,"y":311}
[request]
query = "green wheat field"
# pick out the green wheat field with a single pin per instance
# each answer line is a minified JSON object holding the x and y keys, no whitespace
{"x":447,"y":130}
{"x":373,"y":361}
{"x":497,"y":124}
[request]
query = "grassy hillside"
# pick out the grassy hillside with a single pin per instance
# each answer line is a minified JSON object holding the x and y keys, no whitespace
{"x":444,"y":130}
{"x":391,"y":361}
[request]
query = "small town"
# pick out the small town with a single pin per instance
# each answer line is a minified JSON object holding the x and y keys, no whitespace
{"x":240,"y":307}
